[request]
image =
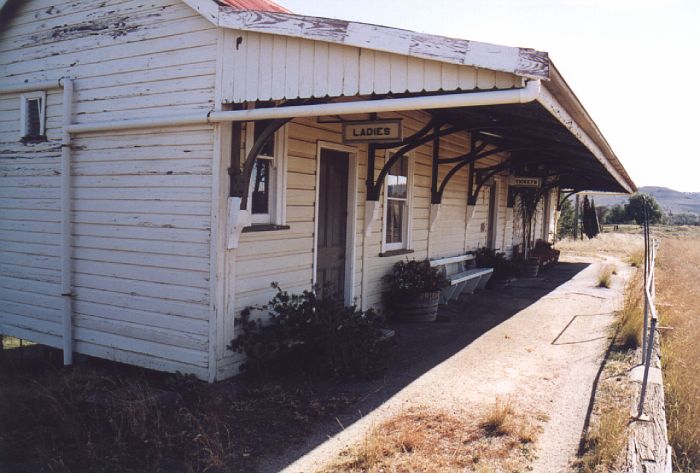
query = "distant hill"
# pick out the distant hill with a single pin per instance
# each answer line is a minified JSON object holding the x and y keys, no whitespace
{"x":670,"y":200}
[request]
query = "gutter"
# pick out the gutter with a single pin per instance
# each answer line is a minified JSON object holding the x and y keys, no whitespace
{"x":533,"y":90}
{"x":523,"y":95}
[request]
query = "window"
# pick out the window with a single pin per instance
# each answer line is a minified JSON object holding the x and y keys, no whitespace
{"x":267,"y":181}
{"x":33,"y":117}
{"x":397,"y":202}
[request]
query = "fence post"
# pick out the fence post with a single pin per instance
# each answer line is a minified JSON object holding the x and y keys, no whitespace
{"x":649,"y":309}
{"x":645,"y":380}
{"x":646,"y":274}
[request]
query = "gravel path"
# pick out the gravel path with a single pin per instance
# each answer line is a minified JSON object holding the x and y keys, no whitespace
{"x":544,"y":357}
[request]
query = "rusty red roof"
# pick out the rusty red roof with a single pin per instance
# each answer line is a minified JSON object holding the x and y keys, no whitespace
{"x":256,"y":5}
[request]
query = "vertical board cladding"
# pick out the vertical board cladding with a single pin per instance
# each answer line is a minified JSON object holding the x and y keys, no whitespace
{"x":267,"y":67}
{"x":141,"y":217}
{"x":286,"y":256}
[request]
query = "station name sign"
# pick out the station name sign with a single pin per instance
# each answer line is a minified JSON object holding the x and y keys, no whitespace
{"x":518,"y":181}
{"x":375,"y":131}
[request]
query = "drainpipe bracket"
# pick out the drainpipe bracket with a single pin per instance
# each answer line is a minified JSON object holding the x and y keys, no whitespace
{"x":237,"y":220}
{"x":434,"y":215}
{"x":372,"y":209}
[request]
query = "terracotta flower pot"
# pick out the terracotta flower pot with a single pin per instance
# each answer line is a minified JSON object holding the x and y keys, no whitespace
{"x":418,"y":307}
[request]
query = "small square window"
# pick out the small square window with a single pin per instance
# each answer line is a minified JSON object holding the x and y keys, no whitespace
{"x":33,"y":117}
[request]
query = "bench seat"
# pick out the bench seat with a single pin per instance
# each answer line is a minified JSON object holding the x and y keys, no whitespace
{"x":469,"y":274}
{"x":463,"y":280}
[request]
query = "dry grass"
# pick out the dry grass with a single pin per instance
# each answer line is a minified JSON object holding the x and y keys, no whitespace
{"x":9,"y":343}
{"x":498,"y":419}
{"x":678,"y":299}
{"x":422,"y":439}
{"x":631,"y":317}
{"x":616,"y":244}
{"x":605,"y":275}
{"x":607,"y":436}
{"x":607,"y":439}
{"x":106,"y":417}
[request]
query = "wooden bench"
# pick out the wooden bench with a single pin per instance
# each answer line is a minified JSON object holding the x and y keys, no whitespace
{"x":461,"y":278}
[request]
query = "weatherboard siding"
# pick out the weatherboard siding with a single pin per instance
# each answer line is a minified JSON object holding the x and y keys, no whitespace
{"x":263,"y":66}
{"x":142,"y":210}
{"x":287,"y":256}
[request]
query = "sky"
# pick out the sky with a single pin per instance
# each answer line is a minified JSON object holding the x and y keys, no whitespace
{"x":634,"y":64}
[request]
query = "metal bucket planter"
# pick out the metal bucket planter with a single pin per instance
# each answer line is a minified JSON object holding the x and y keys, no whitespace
{"x":531,"y":267}
{"x":419,"y":307}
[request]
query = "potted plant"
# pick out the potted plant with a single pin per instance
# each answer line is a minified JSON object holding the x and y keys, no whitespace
{"x":414,"y":291}
{"x":503,"y":268}
{"x":526,"y":208}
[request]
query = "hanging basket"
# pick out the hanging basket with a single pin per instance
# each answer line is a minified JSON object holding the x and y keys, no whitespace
{"x":419,"y":307}
{"x":531,"y":267}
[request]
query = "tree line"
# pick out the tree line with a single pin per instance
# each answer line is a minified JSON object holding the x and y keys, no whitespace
{"x":631,"y":212}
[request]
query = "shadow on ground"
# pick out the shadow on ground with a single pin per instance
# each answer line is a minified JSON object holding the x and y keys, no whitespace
{"x":420,"y":347}
{"x":49,"y":420}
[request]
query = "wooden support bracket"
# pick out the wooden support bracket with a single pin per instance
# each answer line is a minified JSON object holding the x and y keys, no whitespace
{"x":240,"y":175}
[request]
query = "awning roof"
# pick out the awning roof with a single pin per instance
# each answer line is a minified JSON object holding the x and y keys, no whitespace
{"x":537,"y":144}
{"x":554,"y":132}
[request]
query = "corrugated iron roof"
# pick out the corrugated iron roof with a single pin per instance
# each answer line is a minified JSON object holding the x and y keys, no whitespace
{"x":256,"y":5}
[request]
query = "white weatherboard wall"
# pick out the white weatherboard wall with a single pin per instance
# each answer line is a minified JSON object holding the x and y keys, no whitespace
{"x":142,"y":209}
{"x":286,"y":256}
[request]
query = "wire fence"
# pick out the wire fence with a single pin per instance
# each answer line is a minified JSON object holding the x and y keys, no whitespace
{"x":651,"y":317}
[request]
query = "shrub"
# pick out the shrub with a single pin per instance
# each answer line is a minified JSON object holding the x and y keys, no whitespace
{"x":306,"y":334}
{"x":412,"y":276}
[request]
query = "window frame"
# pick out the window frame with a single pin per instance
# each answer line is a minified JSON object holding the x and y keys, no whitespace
{"x":23,"y":129}
{"x":407,"y":231}
{"x":276,"y":214}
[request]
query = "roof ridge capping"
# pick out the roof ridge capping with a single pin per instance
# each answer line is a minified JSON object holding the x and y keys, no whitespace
{"x":523,"y":62}
{"x":255,"y":5}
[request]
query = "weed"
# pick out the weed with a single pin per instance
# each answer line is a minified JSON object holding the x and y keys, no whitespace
{"x":421,"y":439}
{"x":605,"y":275}
{"x":636,"y":258}
{"x":606,"y":441}
{"x":631,"y":317}
{"x":497,"y":420}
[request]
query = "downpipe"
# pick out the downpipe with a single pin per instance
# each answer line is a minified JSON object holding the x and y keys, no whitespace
{"x":66,"y":231}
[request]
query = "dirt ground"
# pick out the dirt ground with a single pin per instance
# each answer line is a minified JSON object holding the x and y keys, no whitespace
{"x":537,"y":343}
